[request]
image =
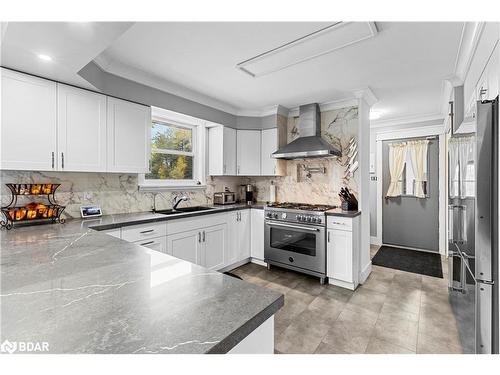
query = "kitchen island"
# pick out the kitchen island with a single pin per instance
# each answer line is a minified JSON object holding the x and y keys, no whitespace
{"x":82,"y":291}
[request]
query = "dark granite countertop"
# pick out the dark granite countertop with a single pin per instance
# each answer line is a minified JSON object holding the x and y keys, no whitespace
{"x":339,"y":212}
{"x":121,"y":220}
{"x":87,"y":292}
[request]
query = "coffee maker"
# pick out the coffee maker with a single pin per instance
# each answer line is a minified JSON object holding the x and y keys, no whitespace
{"x":247,"y":194}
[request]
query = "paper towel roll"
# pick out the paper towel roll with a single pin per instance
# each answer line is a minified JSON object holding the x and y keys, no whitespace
{"x":272,"y":193}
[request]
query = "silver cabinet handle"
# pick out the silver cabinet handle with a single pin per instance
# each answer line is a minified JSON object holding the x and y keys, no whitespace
{"x":238,"y":169}
{"x":328,"y":236}
{"x":224,"y":170}
{"x":62,"y":160}
{"x":53,"y":159}
{"x":147,"y":231}
{"x":203,"y":236}
{"x":199,"y":237}
{"x":147,"y":243}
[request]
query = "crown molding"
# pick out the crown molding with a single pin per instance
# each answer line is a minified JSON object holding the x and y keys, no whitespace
{"x":469,"y":40}
{"x":366,"y":94}
{"x":267,"y":111}
{"x":112,"y":66}
{"x":433,"y":117}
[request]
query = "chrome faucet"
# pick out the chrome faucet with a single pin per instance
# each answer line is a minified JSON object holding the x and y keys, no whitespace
{"x":154,"y":199}
{"x":177,"y":200}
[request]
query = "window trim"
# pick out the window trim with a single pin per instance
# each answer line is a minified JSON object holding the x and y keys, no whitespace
{"x":198,"y":127}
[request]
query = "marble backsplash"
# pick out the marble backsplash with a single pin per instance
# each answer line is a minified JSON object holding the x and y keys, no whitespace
{"x":337,"y":127}
{"x":116,"y":193}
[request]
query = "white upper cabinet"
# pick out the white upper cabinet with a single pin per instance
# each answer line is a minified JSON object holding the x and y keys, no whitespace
{"x":221,"y":151}
{"x":270,"y":166}
{"x":248,"y":152}
{"x":29,"y":125}
{"x":81,"y":124}
{"x":129,"y":129}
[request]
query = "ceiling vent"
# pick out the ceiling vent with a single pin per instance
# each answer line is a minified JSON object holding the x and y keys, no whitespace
{"x":318,"y":43}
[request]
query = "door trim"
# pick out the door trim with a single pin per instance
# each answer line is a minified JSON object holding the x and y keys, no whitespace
{"x":425,"y":131}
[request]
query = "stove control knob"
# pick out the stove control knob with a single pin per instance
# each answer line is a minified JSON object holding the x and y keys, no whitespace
{"x":309,"y":219}
{"x":314,"y":220}
{"x":283,"y":215}
{"x":318,"y":220}
{"x":299,"y":217}
{"x":275,"y":216}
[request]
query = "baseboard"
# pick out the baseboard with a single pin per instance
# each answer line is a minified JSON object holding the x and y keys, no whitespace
{"x":342,"y":284}
{"x":258,"y":261}
{"x":235,"y":265}
{"x":365,"y":272}
{"x":375,"y":241}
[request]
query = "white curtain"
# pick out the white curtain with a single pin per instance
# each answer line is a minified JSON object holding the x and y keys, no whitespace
{"x":418,"y":156}
{"x":397,"y":158}
{"x":461,"y":154}
{"x":453,"y":168}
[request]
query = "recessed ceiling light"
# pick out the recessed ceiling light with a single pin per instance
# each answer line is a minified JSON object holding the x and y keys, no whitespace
{"x":44,"y":57}
{"x":374,"y":115}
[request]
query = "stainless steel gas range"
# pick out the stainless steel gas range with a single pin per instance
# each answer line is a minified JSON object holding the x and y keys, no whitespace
{"x":295,"y":237}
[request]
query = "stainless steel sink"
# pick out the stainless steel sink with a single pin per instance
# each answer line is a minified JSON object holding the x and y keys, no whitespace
{"x":184,"y":210}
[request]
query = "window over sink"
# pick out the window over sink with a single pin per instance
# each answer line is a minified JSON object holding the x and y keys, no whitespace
{"x":177,"y":152}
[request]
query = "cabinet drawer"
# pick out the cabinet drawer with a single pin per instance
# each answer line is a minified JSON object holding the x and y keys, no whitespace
{"x":337,"y":222}
{"x":144,"y":231}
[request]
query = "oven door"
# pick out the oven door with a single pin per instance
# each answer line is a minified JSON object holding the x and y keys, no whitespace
{"x":301,"y":246}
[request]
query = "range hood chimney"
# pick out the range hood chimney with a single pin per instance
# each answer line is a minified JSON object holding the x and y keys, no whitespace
{"x":309,"y":144}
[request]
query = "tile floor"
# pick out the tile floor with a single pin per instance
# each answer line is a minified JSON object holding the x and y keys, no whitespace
{"x":392,"y":312}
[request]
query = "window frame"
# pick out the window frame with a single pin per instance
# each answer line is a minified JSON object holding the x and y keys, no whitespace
{"x":198,"y":128}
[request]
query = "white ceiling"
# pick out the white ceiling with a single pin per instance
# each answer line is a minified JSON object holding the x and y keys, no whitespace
{"x":404,"y":64}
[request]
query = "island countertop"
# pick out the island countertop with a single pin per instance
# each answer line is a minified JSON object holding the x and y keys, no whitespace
{"x":82,"y":291}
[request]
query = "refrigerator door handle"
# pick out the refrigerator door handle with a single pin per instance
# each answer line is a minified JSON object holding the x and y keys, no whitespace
{"x":484,"y":318}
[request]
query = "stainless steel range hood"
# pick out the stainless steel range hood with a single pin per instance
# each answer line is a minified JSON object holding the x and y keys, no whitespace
{"x":309,"y":144}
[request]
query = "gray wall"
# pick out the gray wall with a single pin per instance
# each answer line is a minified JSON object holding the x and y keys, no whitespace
{"x":411,"y":221}
{"x":114,"y":85}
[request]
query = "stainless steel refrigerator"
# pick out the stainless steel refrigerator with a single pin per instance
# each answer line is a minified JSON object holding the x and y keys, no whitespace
{"x":473,"y":232}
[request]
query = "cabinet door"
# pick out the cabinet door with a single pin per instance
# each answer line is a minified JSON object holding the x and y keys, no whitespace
{"x":269,"y":145}
{"x":28,"y":124}
{"x":257,"y":233}
{"x":244,"y":234}
{"x":186,"y":246}
{"x":81,"y":125}
{"x":248,"y":152}
{"x":158,"y":244}
{"x":214,"y":240}
{"x":229,"y":152}
{"x":233,"y":235}
{"x":128,"y":143}
{"x":221,"y":151}
{"x":339,"y":255}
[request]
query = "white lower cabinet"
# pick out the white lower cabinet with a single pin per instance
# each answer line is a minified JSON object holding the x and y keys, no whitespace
{"x":185,"y":245}
{"x":239,"y":231}
{"x":213,"y":241}
{"x":342,"y":249}
{"x":257,"y":234}
{"x":158,"y":244}
{"x":213,"y":247}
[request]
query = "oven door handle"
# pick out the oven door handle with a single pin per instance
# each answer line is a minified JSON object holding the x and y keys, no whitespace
{"x":293,"y":226}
